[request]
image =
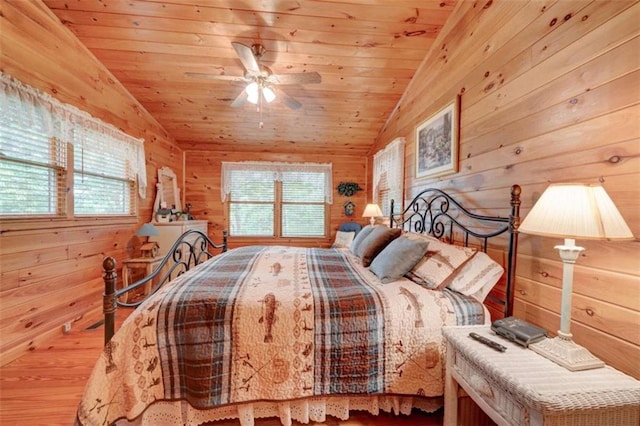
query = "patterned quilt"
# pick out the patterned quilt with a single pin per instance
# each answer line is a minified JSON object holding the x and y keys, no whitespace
{"x":274,"y":323}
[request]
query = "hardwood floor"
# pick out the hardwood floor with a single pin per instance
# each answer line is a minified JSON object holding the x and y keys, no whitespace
{"x":44,"y":386}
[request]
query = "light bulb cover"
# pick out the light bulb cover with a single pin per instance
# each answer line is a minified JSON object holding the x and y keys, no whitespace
{"x":268,"y":93}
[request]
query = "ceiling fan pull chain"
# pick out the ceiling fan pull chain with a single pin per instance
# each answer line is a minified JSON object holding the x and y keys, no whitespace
{"x":261,"y":124}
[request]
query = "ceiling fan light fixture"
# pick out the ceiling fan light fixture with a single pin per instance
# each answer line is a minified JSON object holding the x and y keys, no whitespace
{"x":268,"y":93}
{"x":252,"y":92}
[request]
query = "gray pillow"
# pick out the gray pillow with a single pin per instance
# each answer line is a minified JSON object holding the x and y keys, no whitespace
{"x":398,"y":258}
{"x":375,"y":242}
{"x":364,"y":232}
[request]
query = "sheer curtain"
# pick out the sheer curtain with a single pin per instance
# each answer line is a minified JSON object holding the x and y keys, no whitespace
{"x":72,"y":125}
{"x":388,"y":175}
{"x":276,"y":170}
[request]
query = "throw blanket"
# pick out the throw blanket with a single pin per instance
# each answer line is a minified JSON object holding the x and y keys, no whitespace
{"x":275,"y":323}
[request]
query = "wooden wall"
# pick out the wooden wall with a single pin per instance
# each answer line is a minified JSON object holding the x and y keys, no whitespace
{"x":202,"y":190}
{"x":550,"y":92}
{"x":51,"y":270}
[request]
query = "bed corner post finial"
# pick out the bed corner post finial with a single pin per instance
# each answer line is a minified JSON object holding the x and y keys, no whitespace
{"x":225,"y":234}
{"x":515,"y":207}
{"x":391,"y":214}
{"x":514,"y":224}
{"x":109,"y":304}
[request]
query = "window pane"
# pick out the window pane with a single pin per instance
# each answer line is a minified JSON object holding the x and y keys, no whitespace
{"x":303,"y":220}
{"x":247,"y":219}
{"x":97,"y":195}
{"x":32,"y":165}
{"x":248,"y":185}
{"x":27,"y":189}
{"x":303,"y":186}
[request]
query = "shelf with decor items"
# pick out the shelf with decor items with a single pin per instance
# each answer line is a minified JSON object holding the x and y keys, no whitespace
{"x":520,"y":387}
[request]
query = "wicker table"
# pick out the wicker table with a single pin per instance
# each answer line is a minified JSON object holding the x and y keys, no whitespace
{"x":520,"y":387}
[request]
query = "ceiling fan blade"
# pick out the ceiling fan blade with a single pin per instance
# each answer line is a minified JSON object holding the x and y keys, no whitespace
{"x":215,"y":76}
{"x":287,"y":100}
{"x":245,"y":53}
{"x":239,"y":100}
{"x":296,"y":78}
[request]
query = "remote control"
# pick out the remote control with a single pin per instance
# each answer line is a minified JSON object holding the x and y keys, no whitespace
{"x":495,"y":345}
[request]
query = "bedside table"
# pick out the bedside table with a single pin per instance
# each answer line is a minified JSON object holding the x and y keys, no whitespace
{"x":520,"y":387}
{"x":146,"y":263}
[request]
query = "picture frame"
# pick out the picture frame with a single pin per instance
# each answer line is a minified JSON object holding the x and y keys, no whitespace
{"x":437,"y":142}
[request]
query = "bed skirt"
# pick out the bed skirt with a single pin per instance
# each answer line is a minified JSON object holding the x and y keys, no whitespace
{"x":305,"y":410}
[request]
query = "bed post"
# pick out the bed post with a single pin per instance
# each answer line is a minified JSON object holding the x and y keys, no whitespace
{"x":225,"y":234}
{"x":391,"y":214}
{"x":514,"y":224}
{"x":109,"y":304}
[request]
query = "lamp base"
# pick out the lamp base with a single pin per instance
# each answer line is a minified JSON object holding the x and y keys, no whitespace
{"x":566,"y":353}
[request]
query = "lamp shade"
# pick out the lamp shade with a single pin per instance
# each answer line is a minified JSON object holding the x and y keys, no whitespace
{"x":372,"y":210}
{"x":147,"y":230}
{"x":577,"y":211}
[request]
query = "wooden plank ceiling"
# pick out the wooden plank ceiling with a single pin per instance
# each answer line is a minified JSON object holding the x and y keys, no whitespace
{"x":366,"y":52}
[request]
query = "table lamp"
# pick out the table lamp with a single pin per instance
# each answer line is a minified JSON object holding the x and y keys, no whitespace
{"x":572,"y":211}
{"x":148,"y":249}
{"x":372,"y":211}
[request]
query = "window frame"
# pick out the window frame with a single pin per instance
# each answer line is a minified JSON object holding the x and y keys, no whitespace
{"x":278,"y":204}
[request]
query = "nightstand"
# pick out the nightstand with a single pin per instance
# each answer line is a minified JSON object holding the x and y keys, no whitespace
{"x":146,"y":263}
{"x":520,"y":387}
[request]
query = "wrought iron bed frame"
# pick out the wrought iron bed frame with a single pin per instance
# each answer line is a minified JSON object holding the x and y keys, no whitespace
{"x":443,"y":215}
{"x":431,"y":208}
{"x":191,"y":249}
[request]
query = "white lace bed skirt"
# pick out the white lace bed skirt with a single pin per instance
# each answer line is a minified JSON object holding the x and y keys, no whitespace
{"x":314,"y":409}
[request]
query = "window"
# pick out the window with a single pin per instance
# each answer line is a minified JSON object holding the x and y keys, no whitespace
{"x":388,"y":176}
{"x":49,"y":150}
{"x":277,"y":199}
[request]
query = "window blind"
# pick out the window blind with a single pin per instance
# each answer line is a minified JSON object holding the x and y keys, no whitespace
{"x":33,"y":166}
{"x":252,"y":203}
{"x":303,"y":209}
{"x":101,"y":182}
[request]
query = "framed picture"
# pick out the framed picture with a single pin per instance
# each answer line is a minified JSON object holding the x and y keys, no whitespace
{"x":437,"y":142}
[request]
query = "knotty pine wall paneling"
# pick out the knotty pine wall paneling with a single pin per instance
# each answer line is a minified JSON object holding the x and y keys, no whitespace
{"x":550,"y":92}
{"x":203,"y":180}
{"x":51,"y":271}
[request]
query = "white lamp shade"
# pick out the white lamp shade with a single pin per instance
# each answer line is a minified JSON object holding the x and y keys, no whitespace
{"x":268,"y":93}
{"x":252,"y":92}
{"x":577,"y":211}
{"x":372,"y":210}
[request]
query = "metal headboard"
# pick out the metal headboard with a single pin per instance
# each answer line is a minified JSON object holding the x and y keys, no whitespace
{"x":436,"y":213}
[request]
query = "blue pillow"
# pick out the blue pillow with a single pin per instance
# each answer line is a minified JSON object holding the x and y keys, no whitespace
{"x":364,"y":232}
{"x":398,"y":258}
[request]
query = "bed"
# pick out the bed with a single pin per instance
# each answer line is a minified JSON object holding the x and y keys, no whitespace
{"x":301,"y":333}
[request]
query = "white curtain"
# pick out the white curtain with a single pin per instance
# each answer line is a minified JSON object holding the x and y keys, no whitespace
{"x":277,"y":169}
{"x":70,"y":124}
{"x":388,"y":171}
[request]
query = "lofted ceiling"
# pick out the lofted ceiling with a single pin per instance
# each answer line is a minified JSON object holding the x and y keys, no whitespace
{"x":366,"y":52}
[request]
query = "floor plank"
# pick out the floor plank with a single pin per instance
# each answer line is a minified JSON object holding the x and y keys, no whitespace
{"x":44,"y":386}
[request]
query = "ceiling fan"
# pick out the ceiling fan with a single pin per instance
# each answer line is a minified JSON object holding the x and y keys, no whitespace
{"x":260,"y":81}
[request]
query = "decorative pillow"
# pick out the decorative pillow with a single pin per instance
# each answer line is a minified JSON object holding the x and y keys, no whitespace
{"x":477,"y":277}
{"x":364,"y":233}
{"x":343,"y":239}
{"x":375,"y":242}
{"x":398,"y":258}
{"x":440,"y":262}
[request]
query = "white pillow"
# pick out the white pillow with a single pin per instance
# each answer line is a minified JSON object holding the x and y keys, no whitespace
{"x":477,"y":276}
{"x":343,"y":239}
{"x":442,"y":260}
